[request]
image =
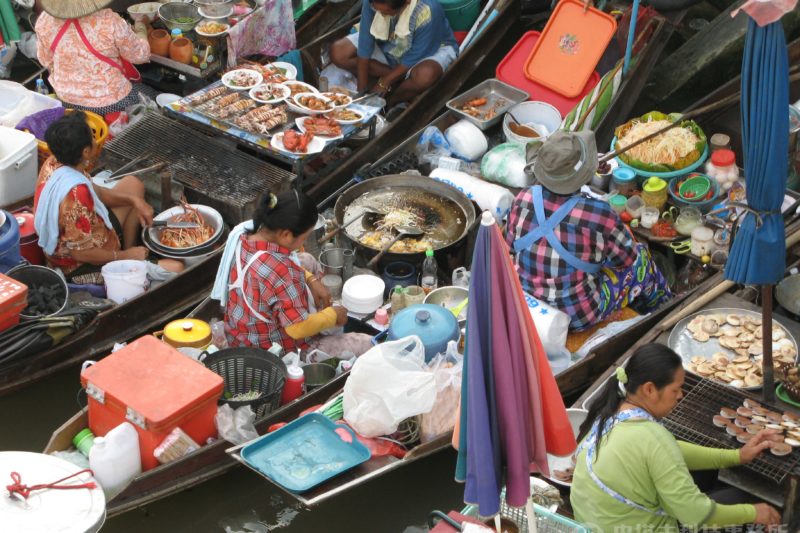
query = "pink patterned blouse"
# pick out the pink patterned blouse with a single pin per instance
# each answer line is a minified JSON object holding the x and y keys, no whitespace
{"x":76,"y":74}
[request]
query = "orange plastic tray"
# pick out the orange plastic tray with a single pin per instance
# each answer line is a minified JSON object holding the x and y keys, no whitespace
{"x":571,"y":45}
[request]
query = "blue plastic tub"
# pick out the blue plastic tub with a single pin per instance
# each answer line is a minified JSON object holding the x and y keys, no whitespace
{"x":9,"y":243}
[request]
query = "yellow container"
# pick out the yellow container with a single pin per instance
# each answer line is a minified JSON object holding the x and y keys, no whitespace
{"x":654,"y":192}
{"x":99,"y":131}
{"x":187,"y":333}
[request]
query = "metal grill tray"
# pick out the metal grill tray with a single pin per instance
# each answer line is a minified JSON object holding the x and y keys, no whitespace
{"x":682,"y":342}
{"x":493,"y":90}
{"x":690,"y":421}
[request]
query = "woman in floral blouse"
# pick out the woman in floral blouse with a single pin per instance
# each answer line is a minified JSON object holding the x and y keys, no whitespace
{"x":81,"y":227}
{"x":89,"y":73}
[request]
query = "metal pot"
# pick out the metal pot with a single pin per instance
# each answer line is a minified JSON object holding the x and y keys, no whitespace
{"x":447,"y":212}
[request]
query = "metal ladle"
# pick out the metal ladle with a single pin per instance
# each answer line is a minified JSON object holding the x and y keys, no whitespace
{"x":332,"y":233}
{"x":402,"y":232}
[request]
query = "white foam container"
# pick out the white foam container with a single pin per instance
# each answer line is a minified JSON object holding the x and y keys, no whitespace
{"x":363,"y":294}
{"x":18,"y":165}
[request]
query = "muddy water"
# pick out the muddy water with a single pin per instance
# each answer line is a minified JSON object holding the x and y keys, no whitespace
{"x":240,"y":500}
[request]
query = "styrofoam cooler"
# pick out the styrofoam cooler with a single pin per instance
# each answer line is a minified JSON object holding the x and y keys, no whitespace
{"x":156,"y":388}
{"x":18,"y":165}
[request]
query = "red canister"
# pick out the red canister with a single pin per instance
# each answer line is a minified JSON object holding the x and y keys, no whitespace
{"x":28,"y":239}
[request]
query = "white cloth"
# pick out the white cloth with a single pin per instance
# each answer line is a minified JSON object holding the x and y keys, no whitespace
{"x":220,"y":289}
{"x":381,"y":24}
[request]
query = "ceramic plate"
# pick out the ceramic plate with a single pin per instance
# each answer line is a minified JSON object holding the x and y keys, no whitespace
{"x":248,"y":79}
{"x":353,"y":121}
{"x":199,"y":31}
{"x":300,"y":121}
{"x":297,"y":107}
{"x":290,"y":71}
{"x":346,"y":100}
{"x":315,"y":146}
{"x":555,"y":462}
{"x":283,"y":88}
{"x":685,"y":345}
{"x":305,"y":87}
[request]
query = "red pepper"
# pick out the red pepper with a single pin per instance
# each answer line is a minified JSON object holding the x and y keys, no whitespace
{"x":625,"y":217}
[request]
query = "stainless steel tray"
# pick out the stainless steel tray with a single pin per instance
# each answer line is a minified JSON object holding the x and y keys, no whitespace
{"x":684,"y":344}
{"x":495,"y":92}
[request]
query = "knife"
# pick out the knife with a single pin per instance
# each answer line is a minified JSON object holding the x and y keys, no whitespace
{"x":175,"y":225}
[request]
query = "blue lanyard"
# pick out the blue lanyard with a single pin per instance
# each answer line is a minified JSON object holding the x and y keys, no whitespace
{"x":590,"y":445}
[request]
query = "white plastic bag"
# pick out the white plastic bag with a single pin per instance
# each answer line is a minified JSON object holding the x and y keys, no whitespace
{"x":388,"y":384}
{"x":236,"y":426}
{"x":446,"y":369}
{"x":505,"y":164}
{"x":551,"y":324}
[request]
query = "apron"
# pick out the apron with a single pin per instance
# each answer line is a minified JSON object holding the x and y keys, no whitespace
{"x":239,"y":283}
{"x":590,"y":445}
{"x":546,"y":227}
{"x":124,"y":66}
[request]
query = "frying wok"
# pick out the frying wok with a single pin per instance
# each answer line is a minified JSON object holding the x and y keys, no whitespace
{"x":446,"y":214}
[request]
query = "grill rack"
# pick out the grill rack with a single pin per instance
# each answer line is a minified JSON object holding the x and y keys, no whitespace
{"x":691,"y":421}
{"x":226,"y":176}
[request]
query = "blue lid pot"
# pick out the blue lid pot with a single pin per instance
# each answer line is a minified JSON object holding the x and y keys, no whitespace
{"x":433,"y":324}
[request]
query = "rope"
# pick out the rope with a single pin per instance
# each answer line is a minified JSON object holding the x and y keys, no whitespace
{"x":17,"y":487}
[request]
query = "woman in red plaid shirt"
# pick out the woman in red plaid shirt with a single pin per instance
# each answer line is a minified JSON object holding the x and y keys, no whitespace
{"x":268,"y":299}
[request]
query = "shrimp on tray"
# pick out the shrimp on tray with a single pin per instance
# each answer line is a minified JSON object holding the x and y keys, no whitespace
{"x":187,"y":237}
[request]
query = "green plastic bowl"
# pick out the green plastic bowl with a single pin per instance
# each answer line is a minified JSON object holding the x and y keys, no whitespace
{"x":696,"y":186}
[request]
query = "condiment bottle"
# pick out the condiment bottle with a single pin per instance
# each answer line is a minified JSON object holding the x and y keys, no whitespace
{"x":618,"y":203}
{"x":176,"y":33}
{"x":702,"y":241}
{"x":398,"y":300}
{"x":430,"y":272}
{"x":624,"y":180}
{"x":381,"y":317}
{"x":654,"y":192}
{"x":722,"y":167}
{"x":295,"y":384}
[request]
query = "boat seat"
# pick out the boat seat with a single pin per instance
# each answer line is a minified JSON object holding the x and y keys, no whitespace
{"x":575,"y":339}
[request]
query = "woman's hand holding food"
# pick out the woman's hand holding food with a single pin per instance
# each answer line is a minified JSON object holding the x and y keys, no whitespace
{"x":144,"y":211}
{"x":341,"y":315}
{"x":762,"y":441}
{"x":322,"y":297}
{"x":767,"y":515}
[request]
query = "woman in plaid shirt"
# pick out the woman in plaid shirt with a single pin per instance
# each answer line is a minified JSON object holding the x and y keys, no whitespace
{"x":268,"y":291}
{"x":573,"y":251}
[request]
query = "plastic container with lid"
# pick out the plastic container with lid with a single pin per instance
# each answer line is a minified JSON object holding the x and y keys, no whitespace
{"x":188,"y":333}
{"x":702,"y":241}
{"x":152,"y":385}
{"x":722,"y":167}
{"x":618,"y":202}
{"x":13,"y":300}
{"x":654,"y":192}
{"x":720,"y":141}
{"x":650,"y":216}
{"x":294,"y":386}
{"x":433,"y":324}
{"x":28,"y":239}
{"x":634,"y":206}
{"x":624,"y":180}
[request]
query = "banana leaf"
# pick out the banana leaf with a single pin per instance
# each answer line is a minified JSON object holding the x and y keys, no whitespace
{"x":682,"y":163}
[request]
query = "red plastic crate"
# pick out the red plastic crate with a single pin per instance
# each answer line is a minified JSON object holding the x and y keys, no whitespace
{"x":13,"y":300}
{"x":511,"y":70}
{"x":157,"y":389}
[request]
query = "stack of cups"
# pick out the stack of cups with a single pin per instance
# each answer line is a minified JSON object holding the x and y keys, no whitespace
{"x":332,"y":261}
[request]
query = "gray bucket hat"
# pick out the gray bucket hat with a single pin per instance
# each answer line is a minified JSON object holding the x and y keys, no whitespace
{"x":73,"y":9}
{"x":565,"y":161}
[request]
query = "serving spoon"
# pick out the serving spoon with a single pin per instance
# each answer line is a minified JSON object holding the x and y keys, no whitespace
{"x":402,"y":232}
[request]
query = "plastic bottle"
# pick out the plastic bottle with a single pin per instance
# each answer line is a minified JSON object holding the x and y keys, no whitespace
{"x":176,"y":33}
{"x":295,"y":382}
{"x":451,"y":163}
{"x":430,"y":271}
{"x":41,"y":88}
{"x":115,"y":459}
{"x":398,"y":300}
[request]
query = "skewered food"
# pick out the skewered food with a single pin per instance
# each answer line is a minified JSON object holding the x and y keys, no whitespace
{"x":323,"y":127}
{"x":187,"y":237}
{"x":235,"y":108}
{"x":262,"y":119}
{"x":672,"y":150}
{"x":198,"y":99}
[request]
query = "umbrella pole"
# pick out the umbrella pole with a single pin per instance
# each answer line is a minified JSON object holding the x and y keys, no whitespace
{"x":767,"y":367}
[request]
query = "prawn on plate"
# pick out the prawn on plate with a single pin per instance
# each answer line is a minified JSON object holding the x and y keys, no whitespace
{"x":187,"y":237}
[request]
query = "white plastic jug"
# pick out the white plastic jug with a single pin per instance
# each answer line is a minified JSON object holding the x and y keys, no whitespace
{"x":124,"y":279}
{"x":115,"y":459}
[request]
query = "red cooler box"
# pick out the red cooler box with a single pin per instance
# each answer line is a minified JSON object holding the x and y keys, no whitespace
{"x":156,"y":388}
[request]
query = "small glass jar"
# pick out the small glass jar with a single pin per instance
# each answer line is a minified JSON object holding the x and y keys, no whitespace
{"x":702,"y":241}
{"x":650,"y":216}
{"x":688,"y":219}
{"x":722,"y":239}
{"x":176,"y":33}
{"x":618,"y":202}
{"x":654,"y":192}
{"x":720,"y":141}
{"x":722,"y":167}
{"x":624,"y":180}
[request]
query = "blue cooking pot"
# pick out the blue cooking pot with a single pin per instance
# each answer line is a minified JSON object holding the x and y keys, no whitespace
{"x":433,"y":324}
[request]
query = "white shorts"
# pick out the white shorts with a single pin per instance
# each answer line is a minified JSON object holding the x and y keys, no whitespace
{"x":444,"y":56}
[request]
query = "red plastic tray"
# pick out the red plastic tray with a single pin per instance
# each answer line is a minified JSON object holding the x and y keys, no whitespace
{"x":571,"y":45}
{"x":510,"y":70}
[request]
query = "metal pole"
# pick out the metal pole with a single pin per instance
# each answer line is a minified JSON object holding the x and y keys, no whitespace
{"x":631,"y":33}
{"x":766,"y":340}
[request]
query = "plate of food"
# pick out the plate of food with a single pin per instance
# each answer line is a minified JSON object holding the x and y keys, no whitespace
{"x":346,"y":116}
{"x":211,"y":28}
{"x":325,"y":128}
{"x":242,"y":79}
{"x":339,"y":100}
{"x":310,"y":104}
{"x":269,"y":93}
{"x":725,"y":345}
{"x":562,"y":467}
{"x":296,"y":143}
{"x":298,"y":87}
{"x":677,"y":151}
{"x":287,"y":70}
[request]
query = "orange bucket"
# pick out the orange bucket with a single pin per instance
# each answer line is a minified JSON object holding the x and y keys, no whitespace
{"x":99,"y":131}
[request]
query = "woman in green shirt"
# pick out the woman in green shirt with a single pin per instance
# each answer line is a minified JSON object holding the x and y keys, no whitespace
{"x":638,"y":474}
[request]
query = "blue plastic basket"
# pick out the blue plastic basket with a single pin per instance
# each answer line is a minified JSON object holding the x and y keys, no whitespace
{"x":546,"y":521}
{"x":666,"y":175}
